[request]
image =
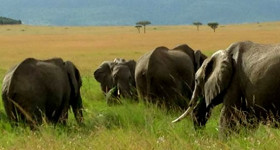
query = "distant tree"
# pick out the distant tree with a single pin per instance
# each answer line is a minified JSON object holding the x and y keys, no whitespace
{"x":143,"y":23}
{"x":213,"y":25}
{"x":4,"y":20}
{"x":138,"y":27}
{"x":197,"y":24}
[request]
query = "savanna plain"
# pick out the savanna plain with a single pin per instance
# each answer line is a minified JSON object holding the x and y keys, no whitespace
{"x":130,"y":125}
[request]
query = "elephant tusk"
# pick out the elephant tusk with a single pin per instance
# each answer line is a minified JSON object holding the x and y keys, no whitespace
{"x":188,"y":111}
{"x":119,"y":93}
{"x":183,"y":115}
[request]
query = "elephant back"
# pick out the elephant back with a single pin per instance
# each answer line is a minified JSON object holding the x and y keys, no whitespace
{"x":186,"y":49}
{"x":169,"y":76}
{"x":197,"y":56}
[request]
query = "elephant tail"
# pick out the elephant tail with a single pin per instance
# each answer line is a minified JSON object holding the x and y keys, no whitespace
{"x":6,"y":95}
{"x":9,"y":107}
{"x":14,"y":110}
{"x":22,"y":111}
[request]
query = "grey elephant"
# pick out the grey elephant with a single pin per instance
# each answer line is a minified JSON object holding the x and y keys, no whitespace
{"x":245,"y":78}
{"x":166,"y":77}
{"x":117,"y":77}
{"x":35,"y":90}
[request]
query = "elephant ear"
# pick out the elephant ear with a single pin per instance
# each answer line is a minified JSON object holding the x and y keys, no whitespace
{"x":103,"y":72}
{"x":74,"y":76}
{"x":218,"y":72}
{"x":131,"y":65}
{"x":198,"y":58}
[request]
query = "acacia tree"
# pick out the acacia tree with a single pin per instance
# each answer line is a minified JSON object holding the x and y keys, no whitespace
{"x":138,"y":27}
{"x":197,"y":24}
{"x":213,"y":25}
{"x":143,"y":23}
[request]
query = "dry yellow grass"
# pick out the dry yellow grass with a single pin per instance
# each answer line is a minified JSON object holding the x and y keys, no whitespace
{"x":87,"y":47}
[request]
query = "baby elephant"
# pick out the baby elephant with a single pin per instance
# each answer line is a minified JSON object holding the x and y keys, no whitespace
{"x":37,"y":89}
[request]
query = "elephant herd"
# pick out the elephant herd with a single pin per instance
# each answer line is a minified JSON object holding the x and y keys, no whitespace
{"x":244,"y":78}
{"x":162,"y":76}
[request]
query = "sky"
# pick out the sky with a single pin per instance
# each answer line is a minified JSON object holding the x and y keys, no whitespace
{"x":128,"y":12}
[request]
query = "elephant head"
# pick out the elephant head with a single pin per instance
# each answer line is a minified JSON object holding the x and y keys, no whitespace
{"x":103,"y":74}
{"x":211,"y":80}
{"x":76,"y":83}
{"x":123,"y":78}
{"x":118,"y":73}
{"x":198,"y":59}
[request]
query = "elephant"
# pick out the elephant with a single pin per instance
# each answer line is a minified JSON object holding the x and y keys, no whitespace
{"x":245,"y":79}
{"x":118,"y":77}
{"x":35,"y":90}
{"x":166,"y":77}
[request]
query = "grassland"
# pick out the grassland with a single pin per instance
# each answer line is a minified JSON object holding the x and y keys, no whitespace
{"x":128,"y":126}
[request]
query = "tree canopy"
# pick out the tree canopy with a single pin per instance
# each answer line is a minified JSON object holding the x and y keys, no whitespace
{"x":138,"y":28}
{"x":143,"y":23}
{"x":213,"y":25}
{"x":197,"y":24}
{"x":4,"y":20}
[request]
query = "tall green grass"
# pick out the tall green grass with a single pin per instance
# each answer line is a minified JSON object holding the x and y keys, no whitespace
{"x":129,"y":126}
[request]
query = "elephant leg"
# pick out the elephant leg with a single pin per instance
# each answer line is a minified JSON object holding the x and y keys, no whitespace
{"x":64,"y":116}
{"x":234,"y":118}
{"x":141,"y":86}
{"x":270,"y":118}
{"x":185,"y":95}
{"x":39,"y":116}
{"x":228,"y":122}
{"x":12,"y":113}
{"x":33,"y":117}
{"x":234,"y":113}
